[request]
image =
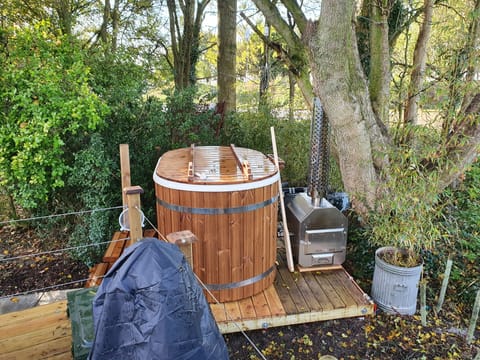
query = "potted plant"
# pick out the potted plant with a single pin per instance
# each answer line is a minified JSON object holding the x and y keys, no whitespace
{"x":403,"y":226}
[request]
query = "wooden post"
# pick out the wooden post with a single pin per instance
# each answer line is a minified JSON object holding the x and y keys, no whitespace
{"x":286,"y":233}
{"x":474,"y":318}
{"x":184,"y":240}
{"x":423,"y":302}
{"x":125,"y":170}
{"x":477,"y":357}
{"x":443,"y":289}
{"x":132,"y":194}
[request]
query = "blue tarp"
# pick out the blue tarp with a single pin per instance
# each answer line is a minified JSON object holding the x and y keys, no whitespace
{"x":150,"y":306}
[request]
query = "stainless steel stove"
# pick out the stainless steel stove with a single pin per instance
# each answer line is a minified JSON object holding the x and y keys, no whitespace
{"x":318,"y":233}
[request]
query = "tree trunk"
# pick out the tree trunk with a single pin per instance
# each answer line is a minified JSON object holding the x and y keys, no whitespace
{"x":297,"y":56}
{"x":106,"y":19}
{"x":379,"y":77}
{"x":291,"y":96}
{"x":419,"y":64}
{"x":115,"y":24}
{"x":64,"y":12}
{"x":265,"y":75}
{"x":361,"y":142}
{"x":184,"y":35}
{"x":227,"y":51}
{"x":463,"y":135}
{"x":473,"y":68}
{"x":339,"y":81}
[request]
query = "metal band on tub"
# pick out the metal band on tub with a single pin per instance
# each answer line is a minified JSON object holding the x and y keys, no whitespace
{"x":217,"y":211}
{"x":234,"y":285}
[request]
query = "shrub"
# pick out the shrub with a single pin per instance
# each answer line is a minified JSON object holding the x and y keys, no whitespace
{"x":92,"y":184}
{"x":45,"y":102}
{"x":292,"y":138}
{"x":462,"y":221}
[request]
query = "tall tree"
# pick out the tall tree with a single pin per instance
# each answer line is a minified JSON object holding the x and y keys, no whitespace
{"x":379,"y":77}
{"x":473,"y":65}
{"x":117,"y":17}
{"x":363,"y":143}
{"x":227,"y":51}
{"x":185,"y":18}
{"x":266,"y":66}
{"x":462,"y":130}
{"x":62,"y":14}
{"x":115,"y":24}
{"x":295,"y":55}
{"x":419,"y":64}
{"x":103,"y":32}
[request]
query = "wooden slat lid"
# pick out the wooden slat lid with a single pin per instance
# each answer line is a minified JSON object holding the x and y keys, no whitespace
{"x":214,"y":165}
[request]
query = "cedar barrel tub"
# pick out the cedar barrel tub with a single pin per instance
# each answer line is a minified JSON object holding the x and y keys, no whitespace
{"x":227,"y":196}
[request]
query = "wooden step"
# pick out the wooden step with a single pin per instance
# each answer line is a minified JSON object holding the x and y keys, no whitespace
{"x":97,"y":273}
{"x":115,"y":249}
{"x":116,"y":246}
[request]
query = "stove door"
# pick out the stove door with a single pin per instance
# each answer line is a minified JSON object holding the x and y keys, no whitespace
{"x":325,"y":240}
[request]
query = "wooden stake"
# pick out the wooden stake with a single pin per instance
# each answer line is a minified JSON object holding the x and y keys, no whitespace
{"x":474,"y":318}
{"x":286,"y":233}
{"x":443,"y":289}
{"x":134,"y":214}
{"x":423,"y":302}
{"x":125,"y":170}
{"x":477,"y":357}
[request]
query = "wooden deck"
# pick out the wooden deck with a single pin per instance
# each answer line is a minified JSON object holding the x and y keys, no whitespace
{"x":44,"y":332}
{"x":295,"y":298}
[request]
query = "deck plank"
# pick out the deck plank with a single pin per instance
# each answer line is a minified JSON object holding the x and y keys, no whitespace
{"x":232,"y":309}
{"x":218,"y":312}
{"x":310,"y":298}
{"x":45,"y":321}
{"x":274,"y":302}
{"x":260,"y":305}
{"x":59,"y":348}
{"x":329,"y":290}
{"x":290,"y":279}
{"x":337,"y":280}
{"x":25,"y":316}
{"x":313,"y":284}
{"x":283,"y":292}
{"x":352,"y":288}
{"x":247,"y":309}
{"x":54,"y":328}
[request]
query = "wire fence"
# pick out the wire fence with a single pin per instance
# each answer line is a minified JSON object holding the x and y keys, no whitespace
{"x":4,"y":258}
{"x":83,"y":212}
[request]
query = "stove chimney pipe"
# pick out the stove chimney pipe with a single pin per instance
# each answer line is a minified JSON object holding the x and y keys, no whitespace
{"x":319,"y":166}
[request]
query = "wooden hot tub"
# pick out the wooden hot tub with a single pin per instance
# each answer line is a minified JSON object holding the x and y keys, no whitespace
{"x":227,"y":196}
